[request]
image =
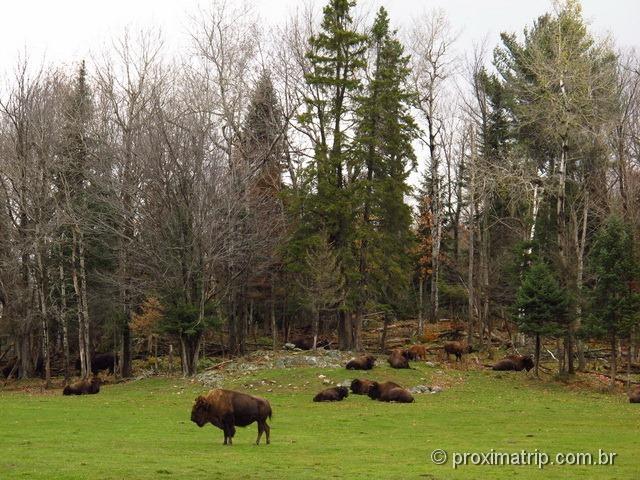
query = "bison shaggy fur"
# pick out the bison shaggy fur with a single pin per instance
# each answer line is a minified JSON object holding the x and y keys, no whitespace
{"x":398,"y":359}
{"x":417,"y":352}
{"x":99,"y":362}
{"x":83,"y":387}
{"x":457,"y":348}
{"x":389,"y":392}
{"x":360,"y":387}
{"x":227,"y":410}
{"x":515,"y":363}
{"x":365,"y":362}
{"x":333,"y":394}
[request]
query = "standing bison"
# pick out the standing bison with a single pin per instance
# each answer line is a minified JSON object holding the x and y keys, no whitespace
{"x":457,"y":348}
{"x":101,"y":361}
{"x":365,"y":362}
{"x":634,"y":395}
{"x":515,"y":363}
{"x":227,"y":409}
{"x":417,"y":352}
{"x":83,"y":387}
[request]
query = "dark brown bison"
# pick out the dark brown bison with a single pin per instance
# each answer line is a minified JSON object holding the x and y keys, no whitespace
{"x":515,"y":363}
{"x":398,"y":359}
{"x":307,"y":343}
{"x":389,"y":392}
{"x":634,"y":395}
{"x":416,"y":352}
{"x":333,"y":394}
{"x":99,"y":362}
{"x":227,"y":409}
{"x":83,"y":387}
{"x":365,"y":362}
{"x":457,"y":348}
{"x":361,"y":387}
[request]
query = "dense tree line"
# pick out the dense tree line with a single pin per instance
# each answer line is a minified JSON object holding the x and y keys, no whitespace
{"x":231,"y":196}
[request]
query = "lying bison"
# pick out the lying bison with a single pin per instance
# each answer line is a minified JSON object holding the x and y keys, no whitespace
{"x":514,"y":363}
{"x":99,"y":362}
{"x":457,"y":348}
{"x":361,"y":387}
{"x":389,"y":392}
{"x":634,"y":395}
{"x":83,"y":387}
{"x":365,"y":362}
{"x":227,"y":409}
{"x":398,"y":359}
{"x":416,"y":352}
{"x":307,"y":343}
{"x":333,"y":394}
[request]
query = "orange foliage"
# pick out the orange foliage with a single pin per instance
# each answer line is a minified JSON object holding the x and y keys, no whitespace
{"x":146,"y":323}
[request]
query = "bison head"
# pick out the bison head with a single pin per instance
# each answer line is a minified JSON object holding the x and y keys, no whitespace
{"x":343,"y":392}
{"x":199,"y":411}
{"x":528,"y":363}
{"x":374,"y":391}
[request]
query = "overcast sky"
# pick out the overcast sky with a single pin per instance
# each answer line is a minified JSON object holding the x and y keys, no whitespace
{"x":67,"y":30}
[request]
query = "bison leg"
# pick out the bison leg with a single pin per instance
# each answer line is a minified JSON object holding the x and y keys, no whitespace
{"x":260,"y":430}
{"x":267,"y":430}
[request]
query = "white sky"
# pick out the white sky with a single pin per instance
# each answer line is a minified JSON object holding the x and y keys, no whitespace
{"x":67,"y":30}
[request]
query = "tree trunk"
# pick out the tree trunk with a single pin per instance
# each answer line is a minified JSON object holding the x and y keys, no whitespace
{"x":82,"y":346}
{"x":315,"y":326}
{"x":472,"y":215}
{"x":63,"y":322}
{"x":383,"y":337}
{"x":537,"y":354}
{"x":421,"y":305}
{"x":44,"y":314}
{"x":85,"y":304}
{"x":274,"y":328}
{"x":614,"y":359}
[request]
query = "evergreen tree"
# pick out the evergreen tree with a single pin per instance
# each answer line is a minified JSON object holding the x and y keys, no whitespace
{"x":385,"y":154}
{"x":337,"y":58}
{"x":613,"y":301}
{"x":541,"y":305}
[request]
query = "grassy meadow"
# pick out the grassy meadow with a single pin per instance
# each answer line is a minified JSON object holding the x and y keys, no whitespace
{"x":142,"y":430}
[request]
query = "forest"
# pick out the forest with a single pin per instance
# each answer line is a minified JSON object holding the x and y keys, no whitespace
{"x":323,"y":178}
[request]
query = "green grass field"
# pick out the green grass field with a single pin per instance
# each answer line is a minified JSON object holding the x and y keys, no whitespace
{"x":141,"y":430}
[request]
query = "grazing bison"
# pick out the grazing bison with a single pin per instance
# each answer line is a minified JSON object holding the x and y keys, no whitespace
{"x":99,"y":362}
{"x":634,"y":395}
{"x":398,"y":359}
{"x":514,"y":363}
{"x":333,"y":394}
{"x":457,"y":348}
{"x":227,"y":409}
{"x":83,"y":387}
{"x":416,"y":352}
{"x":361,"y":387}
{"x":365,"y":362}
{"x":389,"y":392}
